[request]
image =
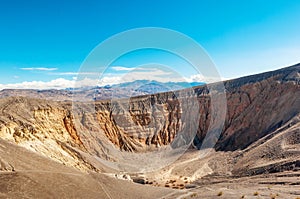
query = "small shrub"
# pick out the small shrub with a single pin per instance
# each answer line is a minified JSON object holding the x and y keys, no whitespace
{"x":273,"y":196}
{"x":220,"y":193}
{"x":255,"y":193}
{"x":269,"y":187}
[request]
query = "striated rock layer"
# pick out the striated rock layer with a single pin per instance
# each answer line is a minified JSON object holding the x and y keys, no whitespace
{"x":68,"y":133}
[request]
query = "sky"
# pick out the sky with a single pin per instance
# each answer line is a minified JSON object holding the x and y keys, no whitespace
{"x":44,"y":43}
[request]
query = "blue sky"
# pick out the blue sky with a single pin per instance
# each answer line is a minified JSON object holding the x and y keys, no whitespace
{"x":48,"y":40}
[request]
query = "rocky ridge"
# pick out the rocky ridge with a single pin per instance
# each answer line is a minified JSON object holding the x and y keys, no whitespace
{"x":256,"y":107}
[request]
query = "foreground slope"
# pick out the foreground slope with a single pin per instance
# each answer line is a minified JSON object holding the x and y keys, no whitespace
{"x":24,"y":174}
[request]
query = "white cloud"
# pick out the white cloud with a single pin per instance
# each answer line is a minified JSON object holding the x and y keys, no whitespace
{"x":164,"y":76}
{"x":59,"y":83}
{"x":39,"y":69}
{"x":126,"y":69}
{"x":121,"y":68}
{"x":157,"y":74}
{"x":201,"y":78}
{"x":110,"y":80}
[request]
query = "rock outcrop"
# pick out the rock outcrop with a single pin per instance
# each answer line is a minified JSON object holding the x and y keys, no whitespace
{"x":256,"y":106}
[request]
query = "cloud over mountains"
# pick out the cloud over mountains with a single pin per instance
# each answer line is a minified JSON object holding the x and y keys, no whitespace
{"x":39,"y":69}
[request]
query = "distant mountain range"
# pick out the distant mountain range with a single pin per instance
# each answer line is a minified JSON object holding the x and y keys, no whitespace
{"x":122,"y":90}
